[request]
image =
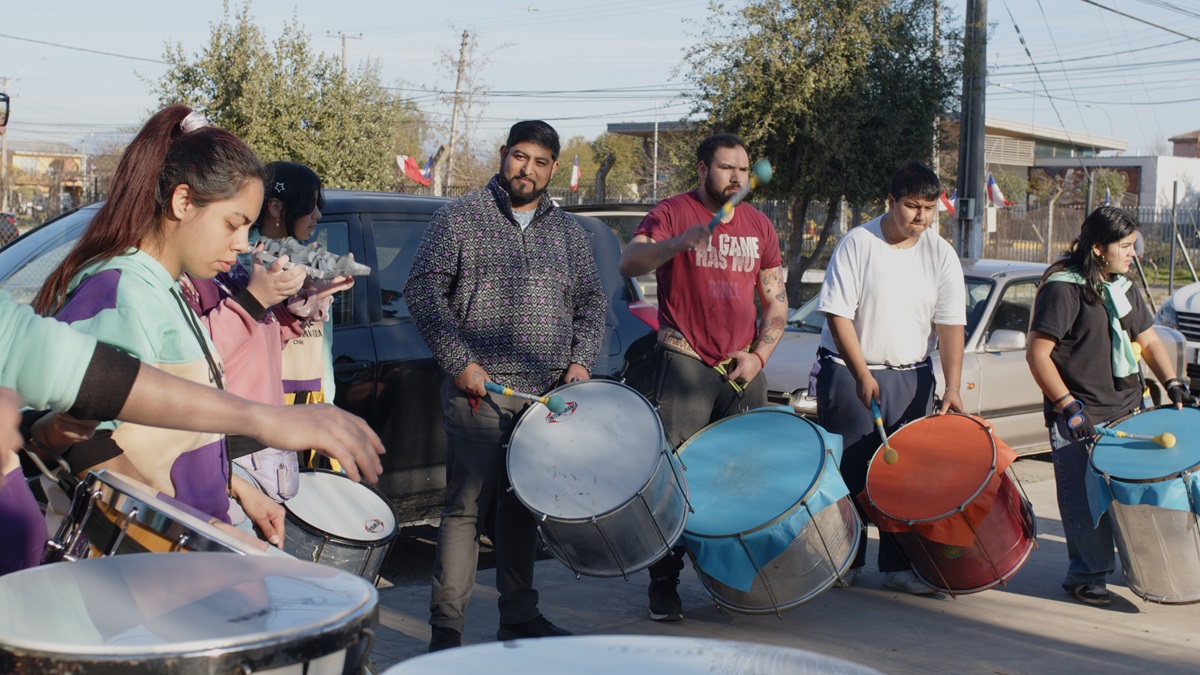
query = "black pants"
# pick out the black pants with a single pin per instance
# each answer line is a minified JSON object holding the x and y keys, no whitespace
{"x":905,"y":395}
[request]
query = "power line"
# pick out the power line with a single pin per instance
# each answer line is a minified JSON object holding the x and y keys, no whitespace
{"x":82,"y":49}
{"x":1141,"y":20}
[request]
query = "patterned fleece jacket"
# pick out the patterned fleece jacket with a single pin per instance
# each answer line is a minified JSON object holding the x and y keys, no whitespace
{"x":524,"y":304}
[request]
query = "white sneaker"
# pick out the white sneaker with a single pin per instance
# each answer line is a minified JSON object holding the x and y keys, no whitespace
{"x":909,"y":582}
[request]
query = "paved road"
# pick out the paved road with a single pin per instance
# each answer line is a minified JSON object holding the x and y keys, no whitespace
{"x":1028,"y":626}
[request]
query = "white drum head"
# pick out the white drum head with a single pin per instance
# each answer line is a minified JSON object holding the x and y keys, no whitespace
{"x":150,"y":606}
{"x":336,"y":505}
{"x":607,"y":654}
{"x":591,"y":458}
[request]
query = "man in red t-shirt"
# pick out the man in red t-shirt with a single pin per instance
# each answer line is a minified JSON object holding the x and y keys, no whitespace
{"x":711,"y":349}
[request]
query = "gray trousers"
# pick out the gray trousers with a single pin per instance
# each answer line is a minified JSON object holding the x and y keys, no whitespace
{"x":905,"y":395}
{"x":476,"y":473}
{"x":691,"y":395}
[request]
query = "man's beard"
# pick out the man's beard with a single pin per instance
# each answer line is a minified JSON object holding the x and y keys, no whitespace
{"x":713,"y":193}
{"x":518,"y":198}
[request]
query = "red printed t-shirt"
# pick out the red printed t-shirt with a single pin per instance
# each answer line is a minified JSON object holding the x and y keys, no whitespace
{"x":709,"y":295}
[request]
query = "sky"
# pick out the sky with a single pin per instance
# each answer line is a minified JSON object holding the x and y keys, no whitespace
{"x":582,"y":64}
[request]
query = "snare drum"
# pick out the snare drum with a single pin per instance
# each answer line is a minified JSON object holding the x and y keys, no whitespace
{"x":112,"y":515}
{"x":186,"y":613}
{"x":600,"y":478}
{"x":607,"y":654}
{"x":335,"y":521}
{"x":951,"y":503}
{"x":773,"y":525}
{"x":1153,"y":494}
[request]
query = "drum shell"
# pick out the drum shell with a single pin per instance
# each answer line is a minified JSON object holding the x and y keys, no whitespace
{"x":294,"y":640}
{"x":968,"y":547}
{"x":306,"y":541}
{"x":629,"y":538}
{"x":1001,"y":549}
{"x":1155,"y":502}
{"x":773,"y":525}
{"x":818,"y":556}
{"x":608,"y":494}
{"x":107,"y":503}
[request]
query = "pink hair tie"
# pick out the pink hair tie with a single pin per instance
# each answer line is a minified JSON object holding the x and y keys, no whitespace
{"x":193,"y":121}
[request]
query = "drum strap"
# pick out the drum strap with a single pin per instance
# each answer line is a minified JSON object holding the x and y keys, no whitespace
{"x":60,"y":474}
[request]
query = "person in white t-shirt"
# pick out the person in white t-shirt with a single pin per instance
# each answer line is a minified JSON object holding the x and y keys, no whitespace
{"x":893,"y":290}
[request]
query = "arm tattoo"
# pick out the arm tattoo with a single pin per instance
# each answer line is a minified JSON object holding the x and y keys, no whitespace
{"x":771,"y":332}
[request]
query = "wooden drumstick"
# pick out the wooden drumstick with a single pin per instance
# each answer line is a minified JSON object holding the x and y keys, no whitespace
{"x":555,"y":403}
{"x":890,"y":456}
{"x":1164,"y":440}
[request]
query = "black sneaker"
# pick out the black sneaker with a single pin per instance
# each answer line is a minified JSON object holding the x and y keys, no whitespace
{"x":1092,"y":594}
{"x":665,"y":604}
{"x":444,"y":638}
{"x":534,"y":628}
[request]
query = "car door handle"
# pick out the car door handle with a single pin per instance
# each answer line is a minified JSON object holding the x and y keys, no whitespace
{"x":351,"y":366}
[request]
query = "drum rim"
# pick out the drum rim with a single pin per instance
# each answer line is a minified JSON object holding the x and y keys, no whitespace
{"x":151,"y":508}
{"x":348,"y":620}
{"x":313,"y":529}
{"x":664,"y":449}
{"x":991,"y":434}
{"x":1138,"y":481}
{"x":800,"y":501}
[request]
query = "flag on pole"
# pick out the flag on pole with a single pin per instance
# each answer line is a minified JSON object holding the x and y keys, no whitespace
{"x":408,"y":164}
{"x":1107,"y":198}
{"x":994,"y":192}
{"x":575,"y":175}
{"x":428,"y":167}
{"x":946,"y":203}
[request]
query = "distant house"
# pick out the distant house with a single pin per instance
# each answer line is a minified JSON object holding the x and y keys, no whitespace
{"x":45,"y":178}
{"x":1185,"y":145}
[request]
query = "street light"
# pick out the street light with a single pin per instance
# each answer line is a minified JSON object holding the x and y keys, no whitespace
{"x":1110,"y":124}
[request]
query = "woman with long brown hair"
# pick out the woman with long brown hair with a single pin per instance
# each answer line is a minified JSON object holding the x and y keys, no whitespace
{"x":183,"y":198}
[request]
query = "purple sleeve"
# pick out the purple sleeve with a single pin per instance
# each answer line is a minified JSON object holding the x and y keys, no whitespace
{"x":23,"y":533}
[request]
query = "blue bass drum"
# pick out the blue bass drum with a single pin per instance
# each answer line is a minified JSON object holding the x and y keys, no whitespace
{"x":1153,"y":497}
{"x":773,"y":526}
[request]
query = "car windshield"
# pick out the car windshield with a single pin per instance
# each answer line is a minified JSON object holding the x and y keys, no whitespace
{"x":806,"y":319}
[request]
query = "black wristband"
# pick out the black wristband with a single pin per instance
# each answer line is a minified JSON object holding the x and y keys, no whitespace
{"x":1060,"y":399}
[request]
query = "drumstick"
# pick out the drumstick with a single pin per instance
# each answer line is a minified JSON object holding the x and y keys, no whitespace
{"x":1165,"y":439}
{"x":555,"y":403}
{"x":890,"y":456}
{"x":760,"y":174}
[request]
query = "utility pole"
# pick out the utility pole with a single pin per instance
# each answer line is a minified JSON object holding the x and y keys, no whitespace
{"x":972,"y":120}
{"x":937,"y":74}
{"x":344,"y":37}
{"x":462,"y":62}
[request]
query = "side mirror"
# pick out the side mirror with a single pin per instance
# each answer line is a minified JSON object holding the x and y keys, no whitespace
{"x":3,"y":109}
{"x":1005,"y":341}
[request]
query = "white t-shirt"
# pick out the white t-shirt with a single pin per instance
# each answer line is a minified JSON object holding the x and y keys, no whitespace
{"x":893,"y":296}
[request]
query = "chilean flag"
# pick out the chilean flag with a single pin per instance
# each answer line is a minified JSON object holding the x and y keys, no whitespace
{"x":994,"y":192}
{"x":947,"y":203}
{"x":575,"y":175}
{"x":409,"y":165}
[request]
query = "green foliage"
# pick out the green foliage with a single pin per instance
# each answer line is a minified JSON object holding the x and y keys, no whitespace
{"x":629,"y":170}
{"x":576,"y":146}
{"x":291,"y":103}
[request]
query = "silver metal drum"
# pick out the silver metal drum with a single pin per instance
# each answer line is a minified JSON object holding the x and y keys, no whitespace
{"x":186,"y":613}
{"x":773,"y":525}
{"x":1152,"y":495}
{"x":600,"y":477}
{"x":335,"y":521}
{"x":630,"y":654}
{"x":112,"y":515}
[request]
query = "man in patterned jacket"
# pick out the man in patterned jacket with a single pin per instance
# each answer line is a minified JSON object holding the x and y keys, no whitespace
{"x":503,"y":288}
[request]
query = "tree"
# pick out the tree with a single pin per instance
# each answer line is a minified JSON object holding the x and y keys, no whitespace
{"x":1013,"y":186}
{"x":837,"y":95}
{"x":289,"y":103}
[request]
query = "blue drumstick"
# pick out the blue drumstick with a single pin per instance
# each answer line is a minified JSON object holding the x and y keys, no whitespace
{"x":1165,"y":439}
{"x":890,"y":456}
{"x":760,"y":174}
{"x":555,"y":403}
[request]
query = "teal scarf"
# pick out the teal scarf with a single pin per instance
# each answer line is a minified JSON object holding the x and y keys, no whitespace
{"x":1117,"y":305}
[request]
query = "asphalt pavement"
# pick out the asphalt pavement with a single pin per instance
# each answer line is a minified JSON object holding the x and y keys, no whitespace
{"x":1028,"y":626}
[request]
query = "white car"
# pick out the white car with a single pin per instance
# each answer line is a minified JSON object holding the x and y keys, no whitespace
{"x":1181,"y":311}
{"x":996,"y":382}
